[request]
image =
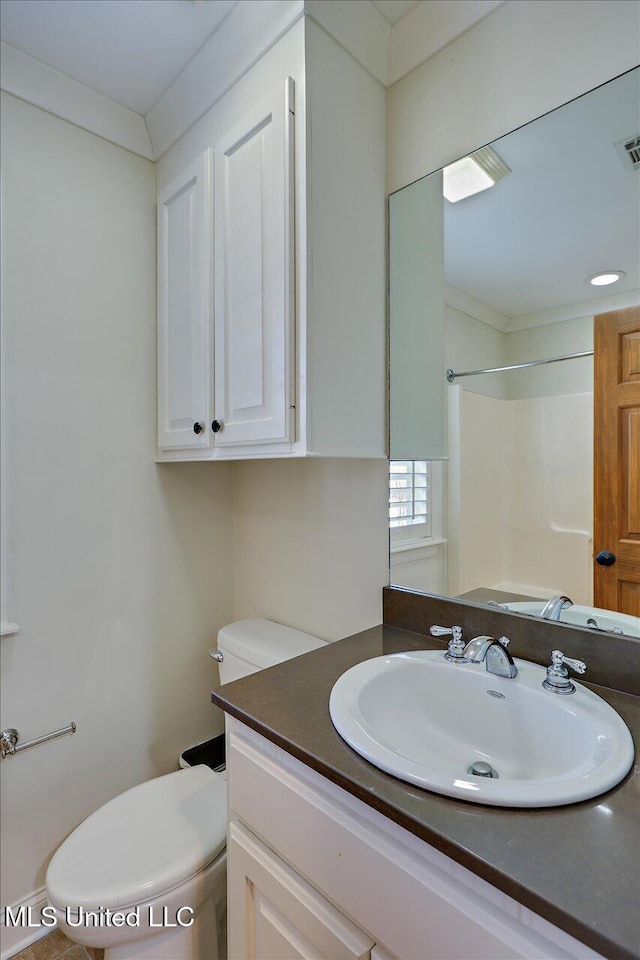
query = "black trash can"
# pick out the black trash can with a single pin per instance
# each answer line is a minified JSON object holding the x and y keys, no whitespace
{"x":210,"y":752}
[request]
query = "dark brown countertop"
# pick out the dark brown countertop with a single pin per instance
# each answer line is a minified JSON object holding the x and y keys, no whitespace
{"x":484,"y":594}
{"x":578,"y":866}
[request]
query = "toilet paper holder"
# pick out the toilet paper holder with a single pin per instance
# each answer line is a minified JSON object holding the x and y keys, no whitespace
{"x":9,"y":739}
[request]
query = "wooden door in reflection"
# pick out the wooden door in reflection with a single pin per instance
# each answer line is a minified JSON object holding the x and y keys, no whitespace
{"x":617,"y":461}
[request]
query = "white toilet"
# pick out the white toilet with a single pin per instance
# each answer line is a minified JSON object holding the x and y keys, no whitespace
{"x":156,"y":855}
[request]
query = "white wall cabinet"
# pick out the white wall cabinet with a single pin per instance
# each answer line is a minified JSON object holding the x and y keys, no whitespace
{"x":271,"y":301}
{"x":225,"y":292}
{"x":184,"y":308}
{"x":327,"y":863}
{"x":254,"y":346}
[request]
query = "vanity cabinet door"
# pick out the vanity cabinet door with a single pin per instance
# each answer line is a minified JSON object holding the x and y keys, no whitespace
{"x":185,"y":308}
{"x":254,"y":267}
{"x":276,"y":915}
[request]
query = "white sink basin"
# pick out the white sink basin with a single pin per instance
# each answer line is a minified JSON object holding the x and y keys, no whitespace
{"x":426,"y":720}
{"x":580,"y":615}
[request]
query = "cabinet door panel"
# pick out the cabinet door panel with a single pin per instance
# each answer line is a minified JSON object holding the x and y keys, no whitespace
{"x":184,"y":307}
{"x":254,"y":276}
{"x":276,"y":915}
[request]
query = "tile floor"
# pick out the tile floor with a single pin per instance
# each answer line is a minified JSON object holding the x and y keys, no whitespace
{"x":55,"y":946}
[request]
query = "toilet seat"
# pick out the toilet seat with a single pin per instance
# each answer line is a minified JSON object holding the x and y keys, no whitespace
{"x":142,"y":844}
{"x":207,"y":885}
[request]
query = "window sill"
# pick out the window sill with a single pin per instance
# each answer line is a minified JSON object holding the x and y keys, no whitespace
{"x":419,"y":549}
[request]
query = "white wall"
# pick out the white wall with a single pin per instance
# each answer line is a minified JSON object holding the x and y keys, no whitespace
{"x":521,"y":497}
{"x":346,"y":254}
{"x":527,"y":57}
{"x":423,"y":569}
{"x":551,"y":340}
{"x":551,"y":524}
{"x":471,"y":344}
{"x":480,"y":489}
{"x":311,"y":543}
{"x":119,"y":569}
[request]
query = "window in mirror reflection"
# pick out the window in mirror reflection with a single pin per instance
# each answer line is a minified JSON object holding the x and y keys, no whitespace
{"x":415,"y":502}
{"x":409,"y":497}
{"x":416,"y":522}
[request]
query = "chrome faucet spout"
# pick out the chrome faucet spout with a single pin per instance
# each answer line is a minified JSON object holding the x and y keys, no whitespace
{"x":494,"y":653}
{"x":500,"y":662}
{"x":476,"y":650}
{"x":553,"y":608}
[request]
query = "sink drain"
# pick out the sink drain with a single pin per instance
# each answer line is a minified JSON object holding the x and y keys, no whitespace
{"x":481,"y":769}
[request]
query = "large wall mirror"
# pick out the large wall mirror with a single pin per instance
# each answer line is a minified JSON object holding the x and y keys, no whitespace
{"x":522,"y":259}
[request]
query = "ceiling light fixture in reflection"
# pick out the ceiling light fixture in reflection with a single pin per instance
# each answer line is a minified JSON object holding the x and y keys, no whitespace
{"x":604,"y":279}
{"x":472,"y":174}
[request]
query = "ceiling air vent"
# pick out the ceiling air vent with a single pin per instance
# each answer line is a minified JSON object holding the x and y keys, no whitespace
{"x":629,"y":152}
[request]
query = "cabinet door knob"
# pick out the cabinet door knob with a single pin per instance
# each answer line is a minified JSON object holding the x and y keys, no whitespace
{"x":198,"y":427}
{"x":216,"y":425}
{"x":605,"y":558}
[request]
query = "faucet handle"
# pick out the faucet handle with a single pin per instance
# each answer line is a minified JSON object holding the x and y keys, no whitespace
{"x":557,"y":680}
{"x":455,"y":650}
{"x":558,"y":658}
{"x":436,"y":631}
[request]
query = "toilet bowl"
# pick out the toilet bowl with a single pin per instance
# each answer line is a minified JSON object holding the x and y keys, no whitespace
{"x":144,"y":877}
{"x":144,"y":874}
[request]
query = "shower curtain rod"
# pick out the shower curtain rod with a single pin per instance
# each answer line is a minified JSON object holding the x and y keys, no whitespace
{"x":451,"y":375}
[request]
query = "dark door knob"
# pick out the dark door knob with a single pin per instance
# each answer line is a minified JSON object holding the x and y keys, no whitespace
{"x":605,"y":558}
{"x":198,"y":427}
{"x":216,"y":425}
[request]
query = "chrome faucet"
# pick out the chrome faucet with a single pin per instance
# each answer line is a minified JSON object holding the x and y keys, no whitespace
{"x":494,"y":653}
{"x":557,"y":680}
{"x":455,"y":649}
{"x":554,"y":607}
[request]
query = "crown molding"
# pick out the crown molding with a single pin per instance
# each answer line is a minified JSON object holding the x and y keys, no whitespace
{"x":475,"y":308}
{"x":359,"y":28}
{"x":243,"y":37}
{"x":464,"y":302}
{"x":254,"y":26}
{"x":47,"y":88}
{"x":428,"y":28}
{"x":575,"y":311}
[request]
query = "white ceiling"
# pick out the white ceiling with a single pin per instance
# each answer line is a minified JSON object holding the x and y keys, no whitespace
{"x":129,"y":50}
{"x":568,"y":209}
{"x":394,"y":10}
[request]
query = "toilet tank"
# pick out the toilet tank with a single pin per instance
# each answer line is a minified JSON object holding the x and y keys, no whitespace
{"x":250,"y":645}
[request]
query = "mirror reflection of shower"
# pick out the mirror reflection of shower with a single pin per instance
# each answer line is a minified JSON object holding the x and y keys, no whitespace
{"x":512,"y":505}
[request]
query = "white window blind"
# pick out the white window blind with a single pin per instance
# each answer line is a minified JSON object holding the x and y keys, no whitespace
{"x":409,"y":496}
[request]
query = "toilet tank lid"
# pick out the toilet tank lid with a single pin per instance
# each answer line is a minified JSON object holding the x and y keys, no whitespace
{"x":264,"y":643}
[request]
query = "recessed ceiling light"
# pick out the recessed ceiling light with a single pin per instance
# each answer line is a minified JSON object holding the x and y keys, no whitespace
{"x":604,"y":279}
{"x":472,"y":174}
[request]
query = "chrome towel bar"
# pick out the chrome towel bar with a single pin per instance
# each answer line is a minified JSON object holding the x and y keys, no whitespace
{"x":9,"y":739}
